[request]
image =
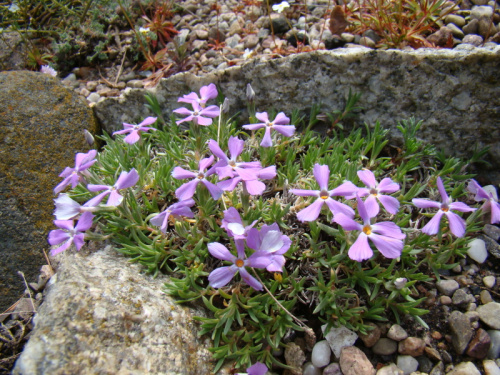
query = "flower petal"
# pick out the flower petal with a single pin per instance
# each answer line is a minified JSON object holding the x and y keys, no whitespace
{"x":254,"y":187}
{"x":221,"y":252}
{"x":214,"y":190}
{"x":250,"y":280}
{"x":61,"y":248}
{"x":204,"y":121}
{"x":85,"y":222}
{"x":132,"y":138}
{"x":444,"y":197}
{"x":66,"y":208}
{"x":115,"y":198}
{"x":339,"y":208}
{"x":286,"y":130}
{"x":495,"y":212}
{"x":205,"y":163}
{"x":371,"y":206}
{"x":229,"y":185}
{"x":360,"y":249}
{"x":267,"y":140}
{"x":79,"y":241}
{"x":254,"y":126}
{"x":460,"y":206}
{"x":312,"y":212}
{"x":425,"y":203}
{"x":391,"y":204}
{"x":221,"y":276}
{"x":346,"y":189}
{"x":281,"y":119}
{"x":97,"y":199}
{"x":259,"y":259}
{"x":211,"y":111}
{"x":322,"y":175}
{"x":432,"y":227}
{"x":262,"y":116}
{"x":180,"y":173}
{"x":208,"y":92}
{"x":235,"y":147}
{"x":457,"y":224}
{"x":389,"y":247}
{"x":272,"y":241}
{"x":387,"y":186}
{"x":368,"y":178}
{"x":305,"y":193}
{"x":346,"y":222}
{"x":148,"y":121}
{"x":389,"y":229}
{"x":267,"y":173}
{"x":127,"y":179}
{"x":57,"y":236}
{"x":161,"y":220}
{"x":187,"y":190}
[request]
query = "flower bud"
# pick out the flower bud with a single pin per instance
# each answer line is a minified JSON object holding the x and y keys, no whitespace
{"x":400,"y":283}
{"x":89,"y":138}
{"x":250,"y":93}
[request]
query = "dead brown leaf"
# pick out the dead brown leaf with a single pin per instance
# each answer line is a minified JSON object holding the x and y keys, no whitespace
{"x":338,"y":22}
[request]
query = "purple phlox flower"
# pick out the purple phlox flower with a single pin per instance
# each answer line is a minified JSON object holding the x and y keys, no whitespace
{"x":374,"y":190}
{"x":457,"y":224}
{"x":280,"y":124}
{"x":75,"y":175}
{"x":199,"y":115}
{"x":229,"y":167}
{"x":135,"y":130}
{"x":182,"y":208}
{"x":269,"y":245}
{"x":490,"y":196}
{"x":234,"y":226}
{"x":252,"y":185}
{"x":222,"y":276}
{"x":386,"y":236}
{"x":69,"y":233}
{"x":257,"y":369}
{"x":324,"y":196}
{"x":67,"y":208}
{"x":126,"y":180}
{"x":206,"y":93}
{"x":187,"y":190}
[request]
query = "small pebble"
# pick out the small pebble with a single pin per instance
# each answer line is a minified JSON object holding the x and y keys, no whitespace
{"x":490,"y":367}
{"x":447,"y":287}
{"x":494,"y":351}
{"x":485,"y":297}
{"x":310,"y":369}
{"x":321,"y":354}
{"x":397,"y":333}
{"x":407,"y":363}
{"x":489,"y":281}
{"x":477,"y":250}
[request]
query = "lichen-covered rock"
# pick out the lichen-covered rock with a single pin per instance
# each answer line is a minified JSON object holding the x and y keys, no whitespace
{"x":41,"y":125}
{"x":456,"y":92}
{"x":101,"y":315}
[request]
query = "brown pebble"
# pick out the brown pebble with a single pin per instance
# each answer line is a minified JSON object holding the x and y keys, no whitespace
{"x":413,"y":346}
{"x":433,"y":354}
{"x":436,"y":335}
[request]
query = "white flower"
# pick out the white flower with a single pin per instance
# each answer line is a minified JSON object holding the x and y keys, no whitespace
{"x":48,"y":70}
{"x":281,"y":6}
{"x":14,"y":8}
{"x":144,"y":30}
{"x":247,"y":54}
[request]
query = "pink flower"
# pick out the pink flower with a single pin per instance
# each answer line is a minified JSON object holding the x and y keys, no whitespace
{"x":176,"y":210}
{"x":233,"y":224}
{"x":126,"y":180}
{"x":386,"y":236}
{"x":252,"y":184}
{"x":206,"y":93}
{"x":187,"y":190}
{"x":75,"y":175}
{"x":257,"y":369}
{"x":69,"y":234}
{"x":374,"y":191}
{"x":270,"y":244}
{"x":457,"y":224}
{"x":199,"y":115}
{"x":279,"y":124}
{"x":135,"y":130}
{"x":47,"y":69}
{"x":489,"y":196}
{"x":324,"y":196}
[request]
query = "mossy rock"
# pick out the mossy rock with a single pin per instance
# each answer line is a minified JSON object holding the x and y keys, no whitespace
{"x":41,"y":129}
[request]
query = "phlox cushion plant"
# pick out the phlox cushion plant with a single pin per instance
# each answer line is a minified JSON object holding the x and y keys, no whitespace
{"x":315,"y":228}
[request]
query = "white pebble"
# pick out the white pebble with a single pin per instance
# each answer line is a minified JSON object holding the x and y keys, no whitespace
{"x":407,"y":363}
{"x":477,"y":250}
{"x":490,"y":367}
{"x":339,"y":338}
{"x":310,"y":369}
{"x":489,"y":281}
{"x":494,"y":351}
{"x":321,"y":353}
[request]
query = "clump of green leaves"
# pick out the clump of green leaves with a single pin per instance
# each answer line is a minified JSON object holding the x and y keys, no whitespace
{"x":319,"y":283}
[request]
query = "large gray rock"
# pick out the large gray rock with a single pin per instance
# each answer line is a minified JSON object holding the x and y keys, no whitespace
{"x":455,"y":92}
{"x":101,"y":315}
{"x":41,"y":129}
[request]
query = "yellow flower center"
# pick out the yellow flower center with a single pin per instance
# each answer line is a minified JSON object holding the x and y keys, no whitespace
{"x":201,"y":176}
{"x":270,"y":124}
{"x":367,"y":230}
{"x":239,"y":263}
{"x":324,"y":195}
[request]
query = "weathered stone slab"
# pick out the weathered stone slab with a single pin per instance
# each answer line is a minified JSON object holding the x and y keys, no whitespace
{"x":101,"y":315}
{"x":456,"y":92}
{"x":41,"y":129}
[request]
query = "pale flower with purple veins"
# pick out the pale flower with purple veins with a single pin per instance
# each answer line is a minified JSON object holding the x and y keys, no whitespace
{"x":491,"y":198}
{"x":233,"y":224}
{"x":457,"y":224}
{"x":279,"y":124}
{"x":188,"y":189}
{"x":47,"y":69}
{"x":269,"y":243}
{"x":375,"y":191}
{"x":386,"y":235}
{"x":134,"y":131}
{"x":230,"y":167}
{"x":221,"y":276}
{"x":125,"y":180}
{"x":69,"y":233}
{"x":176,"y":210}
{"x":67,"y":208}
{"x":76,"y":175}
{"x":251,"y":185}
{"x":206,"y":93}
{"x":199,"y":115}
{"x":324,"y":196}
